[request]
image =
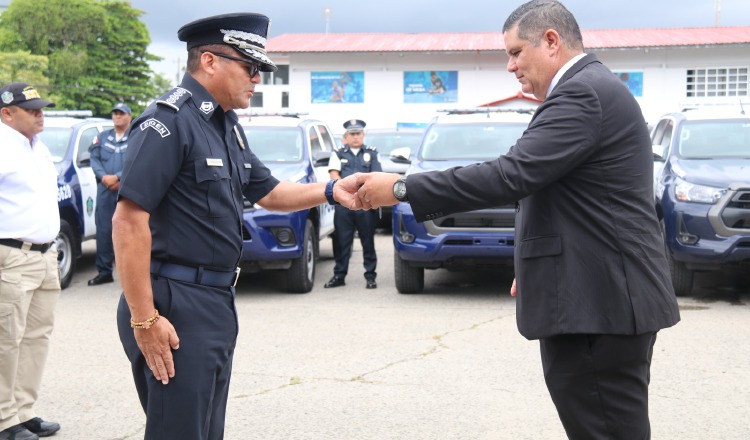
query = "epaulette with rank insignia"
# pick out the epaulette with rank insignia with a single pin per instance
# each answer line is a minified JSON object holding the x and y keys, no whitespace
{"x":371,"y":147}
{"x":175,"y":98}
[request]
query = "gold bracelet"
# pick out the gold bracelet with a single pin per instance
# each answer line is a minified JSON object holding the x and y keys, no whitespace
{"x":147,"y":323}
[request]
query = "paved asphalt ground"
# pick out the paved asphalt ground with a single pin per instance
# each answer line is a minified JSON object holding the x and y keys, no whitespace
{"x":357,"y":364}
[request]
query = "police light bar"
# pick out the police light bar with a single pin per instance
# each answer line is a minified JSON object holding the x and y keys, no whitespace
{"x":256,"y":112}
{"x":69,"y":113}
{"x":487,"y":110}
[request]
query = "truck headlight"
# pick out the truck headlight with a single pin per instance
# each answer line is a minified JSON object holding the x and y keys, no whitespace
{"x":690,"y":192}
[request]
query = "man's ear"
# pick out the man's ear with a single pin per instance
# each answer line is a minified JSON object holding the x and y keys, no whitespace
{"x":551,"y":39}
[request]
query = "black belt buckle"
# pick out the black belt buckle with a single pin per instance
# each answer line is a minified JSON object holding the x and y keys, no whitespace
{"x":236,"y":275}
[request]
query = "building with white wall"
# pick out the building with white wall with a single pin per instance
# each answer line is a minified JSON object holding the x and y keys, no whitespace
{"x":665,"y":69}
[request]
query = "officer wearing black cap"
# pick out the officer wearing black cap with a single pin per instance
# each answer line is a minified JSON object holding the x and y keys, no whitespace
{"x":177,"y":227}
{"x":354,"y":157}
{"x":107,"y":159}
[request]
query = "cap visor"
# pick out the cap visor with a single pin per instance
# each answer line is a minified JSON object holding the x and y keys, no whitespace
{"x":35,"y":104}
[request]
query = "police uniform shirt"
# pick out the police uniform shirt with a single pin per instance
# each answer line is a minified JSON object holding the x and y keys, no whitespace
{"x":28,"y":178}
{"x":188,"y":165}
{"x":108,"y":154}
{"x":347,"y":162}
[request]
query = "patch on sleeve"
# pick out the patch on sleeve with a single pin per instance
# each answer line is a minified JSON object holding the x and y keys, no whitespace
{"x":175,"y":98}
{"x":156,"y":125}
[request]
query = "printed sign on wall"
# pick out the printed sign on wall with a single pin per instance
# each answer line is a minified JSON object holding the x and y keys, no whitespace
{"x":337,"y":87}
{"x":431,"y":86}
{"x":634,"y":81}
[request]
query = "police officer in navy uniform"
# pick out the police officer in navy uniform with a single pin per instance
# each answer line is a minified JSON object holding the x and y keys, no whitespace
{"x":354,"y":157}
{"x":107,"y":160}
{"x":177,"y":227}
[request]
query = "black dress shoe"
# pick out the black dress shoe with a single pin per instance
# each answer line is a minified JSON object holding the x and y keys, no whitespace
{"x":40,"y":427}
{"x":371,"y":284}
{"x":336,"y":281}
{"x":17,"y":432}
{"x":101,"y":279}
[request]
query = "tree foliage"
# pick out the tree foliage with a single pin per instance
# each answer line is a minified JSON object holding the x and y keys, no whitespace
{"x":95,"y":51}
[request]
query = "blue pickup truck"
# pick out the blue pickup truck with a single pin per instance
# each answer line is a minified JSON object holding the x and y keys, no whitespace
{"x":482,"y":239}
{"x":297,"y":150}
{"x":68,"y":135}
{"x":702,"y":191}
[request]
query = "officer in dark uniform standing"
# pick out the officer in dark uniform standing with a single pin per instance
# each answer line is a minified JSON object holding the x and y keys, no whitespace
{"x":354,"y":157}
{"x":107,"y":160}
{"x":177,"y":227}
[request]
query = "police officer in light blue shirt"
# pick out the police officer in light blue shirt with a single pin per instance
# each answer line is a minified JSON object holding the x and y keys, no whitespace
{"x":107,"y":160}
{"x":354,"y":157}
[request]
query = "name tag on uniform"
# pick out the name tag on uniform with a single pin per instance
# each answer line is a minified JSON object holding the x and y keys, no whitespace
{"x":344,"y":160}
{"x":248,"y":166}
{"x":214,"y":162}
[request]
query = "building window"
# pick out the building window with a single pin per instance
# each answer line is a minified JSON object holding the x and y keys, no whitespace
{"x":257,"y":100}
{"x":284,"y":99}
{"x":279,"y":77}
{"x":720,"y":81}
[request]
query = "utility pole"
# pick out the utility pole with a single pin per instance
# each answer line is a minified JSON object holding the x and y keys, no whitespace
{"x":328,"y":19}
{"x":717,"y":12}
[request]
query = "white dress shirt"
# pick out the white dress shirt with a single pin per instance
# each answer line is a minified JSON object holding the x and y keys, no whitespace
{"x":28,"y":189}
{"x":561,"y":72}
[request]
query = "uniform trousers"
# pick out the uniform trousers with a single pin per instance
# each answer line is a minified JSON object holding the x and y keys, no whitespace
{"x":192,"y":406}
{"x":106,"y":202}
{"x":29,"y":291}
{"x":346,"y":222}
{"x":599,"y":383}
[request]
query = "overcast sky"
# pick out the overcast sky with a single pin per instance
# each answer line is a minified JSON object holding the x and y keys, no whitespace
{"x":163,"y":19}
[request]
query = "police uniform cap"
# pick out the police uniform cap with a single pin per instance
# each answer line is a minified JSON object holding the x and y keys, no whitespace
{"x":22,"y":95}
{"x":354,"y":126}
{"x":244,"y":32}
{"x":121,"y":106}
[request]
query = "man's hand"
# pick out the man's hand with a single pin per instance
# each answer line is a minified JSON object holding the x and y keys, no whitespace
{"x":111,"y":182}
{"x":156,"y":344}
{"x":376,"y":189}
{"x":345,"y":192}
{"x":513,"y":291}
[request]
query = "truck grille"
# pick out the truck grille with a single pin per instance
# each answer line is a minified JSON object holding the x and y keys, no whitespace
{"x":736,"y":215}
{"x":501,"y":219}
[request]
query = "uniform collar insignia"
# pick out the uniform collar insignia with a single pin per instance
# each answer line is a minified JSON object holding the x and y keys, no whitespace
{"x":207,"y":107}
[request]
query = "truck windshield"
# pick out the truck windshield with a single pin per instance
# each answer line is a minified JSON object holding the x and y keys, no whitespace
{"x":470,"y":141}
{"x":715,"y":139}
{"x":275,"y":144}
{"x":57,"y":140}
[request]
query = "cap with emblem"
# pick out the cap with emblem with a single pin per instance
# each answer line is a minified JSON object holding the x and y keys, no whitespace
{"x":22,"y":95}
{"x":121,"y":106}
{"x":354,"y":126}
{"x":244,"y":32}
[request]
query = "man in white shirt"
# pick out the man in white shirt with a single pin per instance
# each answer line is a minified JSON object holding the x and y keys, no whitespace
{"x":29,"y":276}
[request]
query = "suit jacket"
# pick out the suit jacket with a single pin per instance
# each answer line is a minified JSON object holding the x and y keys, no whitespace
{"x":589,"y":254}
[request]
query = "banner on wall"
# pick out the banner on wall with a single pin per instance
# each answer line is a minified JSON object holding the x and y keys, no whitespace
{"x":633,"y":80}
{"x":431,"y":86}
{"x":337,"y":87}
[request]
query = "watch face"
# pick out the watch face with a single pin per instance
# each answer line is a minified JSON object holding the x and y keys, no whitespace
{"x":399,"y":189}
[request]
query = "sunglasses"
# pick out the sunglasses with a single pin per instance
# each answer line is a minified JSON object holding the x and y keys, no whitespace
{"x":252,"y":68}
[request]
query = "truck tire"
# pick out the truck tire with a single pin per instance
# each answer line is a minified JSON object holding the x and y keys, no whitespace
{"x":66,"y":258}
{"x":408,"y":279}
{"x":682,"y":277}
{"x":302,"y":273}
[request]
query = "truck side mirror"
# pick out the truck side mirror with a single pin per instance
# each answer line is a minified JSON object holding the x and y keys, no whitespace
{"x":321,"y":158}
{"x":400,"y":155}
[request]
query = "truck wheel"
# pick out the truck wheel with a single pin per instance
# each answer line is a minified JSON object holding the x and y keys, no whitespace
{"x":302,"y":273}
{"x":408,"y":279}
{"x":66,"y":259}
{"x":682,"y":277}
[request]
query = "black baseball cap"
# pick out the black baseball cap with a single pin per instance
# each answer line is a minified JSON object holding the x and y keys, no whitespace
{"x":22,"y":95}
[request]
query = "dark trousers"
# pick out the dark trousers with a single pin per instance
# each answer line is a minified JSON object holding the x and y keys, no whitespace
{"x":192,"y":406}
{"x":599,"y":384}
{"x":346,"y":222}
{"x":106,"y":201}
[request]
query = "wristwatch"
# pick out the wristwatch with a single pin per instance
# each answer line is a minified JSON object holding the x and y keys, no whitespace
{"x":329,"y":192}
{"x":399,"y":190}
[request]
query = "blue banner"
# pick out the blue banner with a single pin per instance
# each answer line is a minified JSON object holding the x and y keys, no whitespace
{"x":431,"y":86}
{"x":337,"y":87}
{"x":633,"y":80}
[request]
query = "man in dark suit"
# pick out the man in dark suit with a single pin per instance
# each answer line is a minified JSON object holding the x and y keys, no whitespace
{"x":592,"y":280}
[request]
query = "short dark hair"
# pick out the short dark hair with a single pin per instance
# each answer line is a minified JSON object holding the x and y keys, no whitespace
{"x":535,"y":17}
{"x":194,"y":55}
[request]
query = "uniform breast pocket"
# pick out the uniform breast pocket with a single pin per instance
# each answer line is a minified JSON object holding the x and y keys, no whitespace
{"x":215,"y":189}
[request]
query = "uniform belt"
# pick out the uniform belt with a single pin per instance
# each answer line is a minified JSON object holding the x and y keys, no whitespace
{"x":195,"y":275}
{"x":26,"y":245}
